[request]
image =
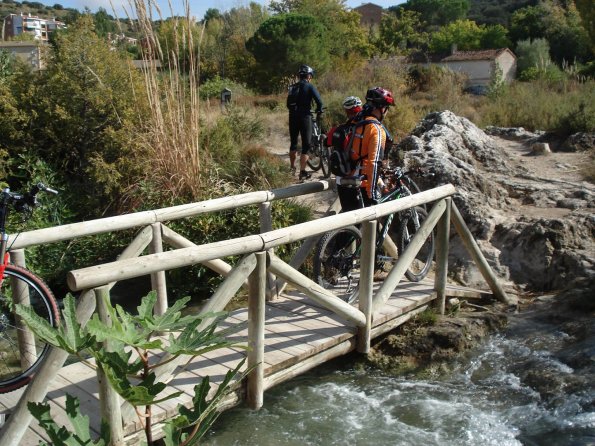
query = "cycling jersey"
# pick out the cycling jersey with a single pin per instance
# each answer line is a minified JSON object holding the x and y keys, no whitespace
{"x":367,"y":154}
{"x":300,"y":99}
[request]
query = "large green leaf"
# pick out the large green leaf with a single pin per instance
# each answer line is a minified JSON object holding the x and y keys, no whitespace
{"x":203,"y":413}
{"x":68,"y":336}
{"x":59,"y":435}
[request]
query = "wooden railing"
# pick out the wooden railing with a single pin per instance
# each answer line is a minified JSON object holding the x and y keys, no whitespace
{"x":255,"y":268}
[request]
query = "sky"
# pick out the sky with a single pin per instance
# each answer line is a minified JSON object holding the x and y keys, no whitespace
{"x":197,"y":7}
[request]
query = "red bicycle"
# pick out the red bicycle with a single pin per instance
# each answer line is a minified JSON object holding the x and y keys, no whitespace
{"x":20,"y":353}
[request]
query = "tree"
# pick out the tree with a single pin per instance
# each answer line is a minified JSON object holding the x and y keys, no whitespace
{"x":569,"y":41}
{"x":343,"y":25}
{"x":587,"y":14}
{"x":212,"y":13}
{"x":179,"y":40}
{"x":223,"y":46}
{"x":5,"y":65}
{"x":558,"y":22}
{"x":465,"y":34}
{"x":104,"y":23}
{"x":438,"y":12}
{"x":495,"y":36}
{"x":400,"y":31}
{"x":527,"y":23}
{"x":85,"y":118}
{"x":284,"y":42}
{"x":533,"y":55}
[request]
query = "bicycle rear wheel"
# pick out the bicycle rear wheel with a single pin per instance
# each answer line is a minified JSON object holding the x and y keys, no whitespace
{"x":409,"y":225}
{"x":337,"y":262}
{"x":20,"y":353}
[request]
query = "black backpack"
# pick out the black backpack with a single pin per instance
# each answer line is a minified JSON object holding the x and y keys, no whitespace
{"x":340,"y":140}
{"x":293,"y":94}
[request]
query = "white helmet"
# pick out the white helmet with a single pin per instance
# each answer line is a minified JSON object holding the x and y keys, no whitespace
{"x":352,"y":102}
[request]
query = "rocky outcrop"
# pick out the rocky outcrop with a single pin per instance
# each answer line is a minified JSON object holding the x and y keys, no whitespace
{"x":428,"y":346}
{"x":536,"y":231}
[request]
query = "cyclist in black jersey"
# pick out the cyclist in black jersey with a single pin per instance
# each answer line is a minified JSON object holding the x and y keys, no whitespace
{"x":299,"y":103}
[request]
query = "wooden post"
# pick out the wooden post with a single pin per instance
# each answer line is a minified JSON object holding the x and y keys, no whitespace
{"x":13,"y":431}
{"x":478,"y":257}
{"x":443,"y":232}
{"x":256,"y":313}
{"x":25,"y":337}
{"x":368,"y":257}
{"x":108,"y":398}
{"x":266,"y":225}
{"x":158,"y":283}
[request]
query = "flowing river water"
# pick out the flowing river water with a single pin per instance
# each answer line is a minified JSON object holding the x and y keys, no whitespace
{"x":532,"y":384}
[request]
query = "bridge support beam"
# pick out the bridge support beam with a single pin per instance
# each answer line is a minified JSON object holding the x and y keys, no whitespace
{"x":442,"y":238}
{"x":158,"y":283}
{"x":256,"y":321}
{"x":364,"y":334}
{"x":478,"y":257}
{"x":109,"y":399}
{"x":266,"y":225}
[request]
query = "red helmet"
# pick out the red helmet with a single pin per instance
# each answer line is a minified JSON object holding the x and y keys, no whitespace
{"x":379,"y":97}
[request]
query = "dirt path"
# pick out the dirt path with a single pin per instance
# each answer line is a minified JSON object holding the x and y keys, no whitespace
{"x":545,"y":174}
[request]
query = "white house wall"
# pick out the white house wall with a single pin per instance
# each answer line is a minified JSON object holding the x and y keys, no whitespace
{"x":507,"y":63}
{"x":478,"y":71}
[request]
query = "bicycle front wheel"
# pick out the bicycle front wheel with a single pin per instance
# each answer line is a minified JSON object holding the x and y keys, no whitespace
{"x":324,"y":159}
{"x":409,"y":225}
{"x":20,"y":353}
{"x":337,"y":262}
{"x":314,"y":158}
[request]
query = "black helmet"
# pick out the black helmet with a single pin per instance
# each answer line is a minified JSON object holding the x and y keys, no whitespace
{"x":379,"y":97}
{"x":305,"y":70}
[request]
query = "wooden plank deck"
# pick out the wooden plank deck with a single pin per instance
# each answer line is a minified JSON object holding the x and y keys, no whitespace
{"x":299,"y":335}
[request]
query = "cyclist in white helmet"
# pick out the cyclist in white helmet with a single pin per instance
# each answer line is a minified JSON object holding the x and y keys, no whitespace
{"x":352,"y":106}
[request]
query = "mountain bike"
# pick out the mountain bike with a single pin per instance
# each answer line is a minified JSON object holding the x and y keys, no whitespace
{"x":20,"y":353}
{"x":319,"y":153}
{"x":337,"y":258}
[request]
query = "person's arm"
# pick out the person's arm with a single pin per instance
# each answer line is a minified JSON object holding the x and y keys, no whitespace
{"x":317,"y":99}
{"x":375,"y":143}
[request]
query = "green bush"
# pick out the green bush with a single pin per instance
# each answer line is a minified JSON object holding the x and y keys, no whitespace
{"x":213,"y":88}
{"x":549,"y":106}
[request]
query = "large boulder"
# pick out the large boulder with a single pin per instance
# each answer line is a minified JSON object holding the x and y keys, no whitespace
{"x":536,"y":232}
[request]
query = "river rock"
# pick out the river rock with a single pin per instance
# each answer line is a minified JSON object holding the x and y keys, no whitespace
{"x":579,"y":142}
{"x":513,"y":133}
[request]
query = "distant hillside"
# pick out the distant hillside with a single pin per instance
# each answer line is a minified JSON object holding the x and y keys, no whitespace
{"x":37,"y":9}
{"x":104,"y":22}
{"x":496,"y":11}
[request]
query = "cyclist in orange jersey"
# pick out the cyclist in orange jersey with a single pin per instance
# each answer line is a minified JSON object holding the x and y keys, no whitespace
{"x":367,"y":153}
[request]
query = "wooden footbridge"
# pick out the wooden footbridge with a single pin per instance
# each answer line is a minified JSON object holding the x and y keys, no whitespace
{"x":290,"y":325}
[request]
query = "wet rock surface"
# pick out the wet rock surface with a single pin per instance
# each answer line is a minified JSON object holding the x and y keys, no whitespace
{"x":427,"y":345}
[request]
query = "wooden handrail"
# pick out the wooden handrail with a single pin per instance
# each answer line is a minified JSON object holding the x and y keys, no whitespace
{"x":123,"y":222}
{"x":99,"y":275}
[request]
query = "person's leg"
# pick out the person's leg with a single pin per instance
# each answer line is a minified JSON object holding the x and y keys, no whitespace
{"x":306,"y":133}
{"x":350,"y":198}
{"x":294,"y":131}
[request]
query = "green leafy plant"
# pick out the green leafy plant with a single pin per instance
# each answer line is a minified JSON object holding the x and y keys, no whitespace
{"x":121,"y":349}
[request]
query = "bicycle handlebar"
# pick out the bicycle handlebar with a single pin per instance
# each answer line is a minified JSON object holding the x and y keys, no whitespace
{"x":24,"y":202}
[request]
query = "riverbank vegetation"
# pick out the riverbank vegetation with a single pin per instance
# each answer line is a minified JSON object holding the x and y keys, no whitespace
{"x":115,"y":139}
